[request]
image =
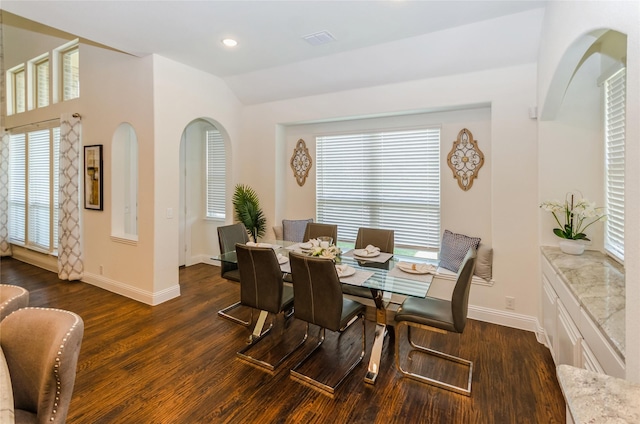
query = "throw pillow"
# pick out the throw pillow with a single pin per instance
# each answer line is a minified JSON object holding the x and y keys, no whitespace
{"x":454,"y":248}
{"x":484,"y":262}
{"x":293,"y":229}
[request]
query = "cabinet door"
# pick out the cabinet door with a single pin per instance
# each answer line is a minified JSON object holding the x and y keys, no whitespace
{"x":568,"y":338}
{"x":589,"y":361}
{"x":549,"y":300}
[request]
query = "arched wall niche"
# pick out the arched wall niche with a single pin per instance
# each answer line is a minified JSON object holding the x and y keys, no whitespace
{"x":198,"y":238}
{"x":124,"y":182}
{"x":603,"y":40}
{"x":571,"y":126}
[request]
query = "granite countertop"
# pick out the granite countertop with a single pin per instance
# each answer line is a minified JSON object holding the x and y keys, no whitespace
{"x":598,"y":398}
{"x":597,"y":282}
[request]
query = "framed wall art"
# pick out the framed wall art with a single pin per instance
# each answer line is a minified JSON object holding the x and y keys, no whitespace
{"x":93,"y":177}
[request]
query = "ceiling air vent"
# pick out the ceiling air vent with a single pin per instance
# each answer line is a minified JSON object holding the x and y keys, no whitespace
{"x":317,"y":38}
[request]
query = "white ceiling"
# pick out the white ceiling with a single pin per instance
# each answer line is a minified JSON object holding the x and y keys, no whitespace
{"x":377,"y":42}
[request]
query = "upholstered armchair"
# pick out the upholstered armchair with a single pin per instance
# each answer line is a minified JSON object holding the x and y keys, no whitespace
{"x":41,"y":348}
{"x":12,"y":298}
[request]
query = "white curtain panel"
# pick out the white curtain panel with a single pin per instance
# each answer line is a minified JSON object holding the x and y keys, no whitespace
{"x":5,"y":247}
{"x":70,"y":261}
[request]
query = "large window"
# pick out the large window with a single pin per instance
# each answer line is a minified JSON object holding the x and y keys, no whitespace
{"x":614,"y":95}
{"x":33,"y":189}
{"x":41,"y":83}
{"x":216,"y":174}
{"x":16,"y":80}
{"x":381,"y":180}
{"x":70,"y":60}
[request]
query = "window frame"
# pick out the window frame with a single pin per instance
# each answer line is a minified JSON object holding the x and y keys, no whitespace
{"x":13,"y":91}
{"x":215,"y":175}
{"x":60,"y":54}
{"x":614,"y":143}
{"x":28,"y":239}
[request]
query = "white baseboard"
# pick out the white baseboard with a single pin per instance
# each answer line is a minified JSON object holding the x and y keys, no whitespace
{"x":48,"y":262}
{"x":508,"y":319}
{"x":144,"y":296}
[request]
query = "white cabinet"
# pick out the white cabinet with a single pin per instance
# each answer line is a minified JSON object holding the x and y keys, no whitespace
{"x":549,"y":313}
{"x":572,"y":336}
{"x":569,"y":339}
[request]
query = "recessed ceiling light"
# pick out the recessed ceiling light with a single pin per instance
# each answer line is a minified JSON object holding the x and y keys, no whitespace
{"x":229,"y":42}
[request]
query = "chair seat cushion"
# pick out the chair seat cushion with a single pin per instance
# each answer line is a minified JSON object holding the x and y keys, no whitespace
{"x":427,"y":311}
{"x":233,"y":275}
{"x":350,"y":308}
{"x":356,"y":291}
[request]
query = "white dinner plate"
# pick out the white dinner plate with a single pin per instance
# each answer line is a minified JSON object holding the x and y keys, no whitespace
{"x":412,"y":268}
{"x":282,"y":259}
{"x":347,"y":272}
{"x":305,"y":246}
{"x":364,"y":254}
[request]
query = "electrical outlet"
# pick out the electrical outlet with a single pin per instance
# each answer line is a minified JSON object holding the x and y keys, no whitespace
{"x":510,"y":302}
{"x":101,"y":269}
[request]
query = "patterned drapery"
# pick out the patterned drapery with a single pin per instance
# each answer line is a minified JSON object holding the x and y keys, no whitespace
{"x":5,"y":247}
{"x":70,"y":261}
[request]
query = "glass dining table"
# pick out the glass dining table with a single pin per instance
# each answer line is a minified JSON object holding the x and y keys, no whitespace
{"x":380,"y":273}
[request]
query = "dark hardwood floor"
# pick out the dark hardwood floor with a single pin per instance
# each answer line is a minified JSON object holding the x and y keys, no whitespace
{"x":176,"y":363}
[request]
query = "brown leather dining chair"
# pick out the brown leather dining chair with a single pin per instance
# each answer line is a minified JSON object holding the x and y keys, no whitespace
{"x":318,"y":300}
{"x":442,"y":316}
{"x":41,"y":348}
{"x":316,"y":229}
{"x":228,"y":236}
{"x":262,"y":288}
{"x":384,"y":239}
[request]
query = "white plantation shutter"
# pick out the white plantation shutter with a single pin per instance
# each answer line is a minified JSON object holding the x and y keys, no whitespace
{"x":615,"y":95}
{"x":216,"y":174}
{"x":17,"y":189}
{"x":39,"y":188}
{"x":387,"y":180}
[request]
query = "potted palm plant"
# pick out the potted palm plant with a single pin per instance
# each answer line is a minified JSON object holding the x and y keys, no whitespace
{"x":247,"y":210}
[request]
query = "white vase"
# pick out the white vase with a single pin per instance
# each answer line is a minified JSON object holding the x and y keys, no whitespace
{"x":572,"y":247}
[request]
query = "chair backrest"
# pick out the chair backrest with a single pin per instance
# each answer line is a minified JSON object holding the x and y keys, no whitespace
{"x":384,"y":239}
{"x":315,"y":230}
{"x":293,"y":229}
{"x":317,"y":292}
{"x":12,"y":298}
{"x":261,"y":283}
{"x":460,"y":296}
{"x":228,"y":236}
{"x":41,"y":346}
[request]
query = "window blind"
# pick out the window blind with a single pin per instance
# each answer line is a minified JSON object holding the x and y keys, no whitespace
{"x":216,"y":174}
{"x":33,"y":188}
{"x":17,"y":188}
{"x":381,"y":180}
{"x":615,"y":99}
{"x":71,"y":74}
{"x":39,"y":188}
{"x":42,"y":83}
{"x":20,"y":99}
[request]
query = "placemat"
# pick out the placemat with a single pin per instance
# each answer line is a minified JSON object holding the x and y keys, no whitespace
{"x":381,"y":258}
{"x":397,"y":272}
{"x":358,"y":278}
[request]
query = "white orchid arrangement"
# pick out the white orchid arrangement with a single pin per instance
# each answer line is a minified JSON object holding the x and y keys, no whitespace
{"x":326,"y":252}
{"x":578,"y":216}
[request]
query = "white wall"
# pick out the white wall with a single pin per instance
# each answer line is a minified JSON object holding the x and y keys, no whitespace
{"x":182,"y":94}
{"x":567,"y":26}
{"x":510,"y":171}
{"x":300,"y":202}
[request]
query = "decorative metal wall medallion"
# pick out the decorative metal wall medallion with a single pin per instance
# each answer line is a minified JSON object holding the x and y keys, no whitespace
{"x":465,"y":159}
{"x":301,"y":162}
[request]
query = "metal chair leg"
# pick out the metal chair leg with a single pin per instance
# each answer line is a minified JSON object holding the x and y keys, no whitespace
{"x":317,"y":384}
{"x":223,"y":313}
{"x":457,"y":389}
